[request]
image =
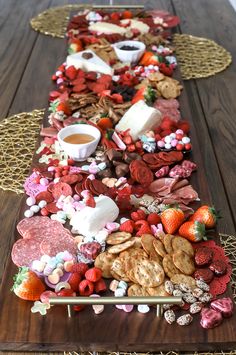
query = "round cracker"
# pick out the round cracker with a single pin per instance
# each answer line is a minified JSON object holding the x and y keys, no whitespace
{"x":158,"y":291}
{"x":155,"y":257}
{"x":118,"y":238}
{"x":168,"y":243}
{"x":147,"y":242}
{"x":116,"y":249}
{"x":137,"y":290}
{"x":180,"y":243}
{"x":159,"y":247}
{"x":183,"y":279}
{"x":118,"y":270}
{"x":104,"y":262}
{"x":169,"y":266}
{"x":149,"y":273}
{"x":183,"y":262}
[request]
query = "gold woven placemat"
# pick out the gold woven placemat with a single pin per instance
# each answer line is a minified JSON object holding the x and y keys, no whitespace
{"x":18,"y":136}
{"x":53,"y":22}
{"x":200,"y":57}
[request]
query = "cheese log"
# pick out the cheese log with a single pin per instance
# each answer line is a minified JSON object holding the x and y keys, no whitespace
{"x":94,"y":63}
{"x":89,"y":221}
{"x":107,"y":28}
{"x":139,"y":118}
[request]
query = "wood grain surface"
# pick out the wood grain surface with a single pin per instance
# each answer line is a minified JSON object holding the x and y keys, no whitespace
{"x":208,"y":104}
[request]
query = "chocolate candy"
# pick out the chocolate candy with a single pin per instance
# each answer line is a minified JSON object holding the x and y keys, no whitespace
{"x":205,"y":275}
{"x":104,"y":173}
{"x":223,"y":305}
{"x":210,"y":318}
{"x":219,"y":267}
{"x":113,"y":154}
{"x":121,"y":170}
{"x":203,"y":256}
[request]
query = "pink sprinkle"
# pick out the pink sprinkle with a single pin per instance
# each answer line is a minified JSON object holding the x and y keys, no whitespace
{"x":160,"y":144}
{"x":154,"y":229}
{"x":51,"y":168}
{"x":160,"y":227}
{"x":93,"y":171}
{"x":91,"y":176}
{"x":76,"y":197}
{"x":174,"y":142}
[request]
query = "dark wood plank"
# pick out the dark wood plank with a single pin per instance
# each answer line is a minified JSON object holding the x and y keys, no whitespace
{"x":215,"y":95}
{"x":17,"y":40}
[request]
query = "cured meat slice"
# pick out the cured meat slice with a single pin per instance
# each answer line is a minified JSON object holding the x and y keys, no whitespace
{"x":185,"y":194}
{"x":52,"y":247}
{"x":163,"y":186}
{"x":25,"y":223}
{"x":24,"y":251}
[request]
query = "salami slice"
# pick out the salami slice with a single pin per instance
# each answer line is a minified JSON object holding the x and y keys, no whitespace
{"x":97,"y":187}
{"x":38,"y":226}
{"x":52,"y":207}
{"x":70,"y":179}
{"x":44,"y":195}
{"x":25,"y":251}
{"x":26,"y":223}
{"x":52,"y":247}
{"x":61,"y":188}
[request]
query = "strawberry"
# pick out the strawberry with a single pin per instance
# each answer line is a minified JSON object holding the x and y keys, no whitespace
{"x":139,"y":214}
{"x":66,"y":292}
{"x":153,"y":218}
{"x":172,"y":218}
{"x":206,"y":215}
{"x":100,"y":286}
{"x":90,"y":202}
{"x":79,"y":307}
{"x":148,"y":94}
{"x":86,"y":288}
{"x":192,"y":230}
{"x":145,"y":229}
{"x":63,"y":106}
{"x":127,"y":14}
{"x":71,"y":72}
{"x":140,"y":223}
{"x":80,"y":268}
{"x":74,"y":281}
{"x":127,"y":226}
{"x":27,"y":285}
{"x":94,"y":274}
{"x":75,"y":45}
{"x":115,"y":16}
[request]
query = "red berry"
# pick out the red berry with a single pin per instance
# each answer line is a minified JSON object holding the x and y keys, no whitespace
{"x":179,"y":136}
{"x":127,"y":226}
{"x":65,"y":172}
{"x":166,"y":132}
{"x":66,"y":167}
{"x":66,"y":292}
{"x":74,"y":281}
{"x":153,"y":218}
{"x":70,"y":161}
{"x":184,"y":125}
{"x":115,"y":16}
{"x":86,"y":288}
{"x":100,"y":286}
{"x":80,"y":268}
{"x":188,"y":146}
{"x":141,"y":223}
{"x":179,"y":147}
{"x":57,"y":175}
{"x":79,"y":307}
{"x":142,"y":214}
{"x":94,"y":274}
{"x":44,"y":212}
{"x":144,"y":230}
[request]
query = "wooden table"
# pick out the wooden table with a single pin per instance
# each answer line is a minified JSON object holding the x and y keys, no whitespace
{"x":27,"y":61}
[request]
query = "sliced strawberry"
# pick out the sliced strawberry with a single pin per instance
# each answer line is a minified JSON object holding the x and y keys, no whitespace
{"x":71,"y":72}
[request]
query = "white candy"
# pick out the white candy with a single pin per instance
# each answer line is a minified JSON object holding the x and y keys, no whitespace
{"x":168,"y":146}
{"x":30,"y":201}
{"x":101,"y":236}
{"x":173,"y":135}
{"x":143,"y":308}
{"x":88,"y":239}
{"x":179,"y":131}
{"x":119,"y":292}
{"x":62,"y":285}
{"x":186,"y":140}
{"x":45,"y":258}
{"x":123,"y":285}
{"x":35,"y":208}
{"x":56,"y":180}
{"x":42,"y":203}
{"x":123,"y":220}
{"x":28,"y":213}
{"x":61,"y":214}
{"x":38,"y":265}
{"x":168,"y":139}
{"x":44,"y":181}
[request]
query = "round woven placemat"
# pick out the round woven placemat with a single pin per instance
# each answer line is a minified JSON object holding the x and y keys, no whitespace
{"x":200,"y":57}
{"x":18,"y":136}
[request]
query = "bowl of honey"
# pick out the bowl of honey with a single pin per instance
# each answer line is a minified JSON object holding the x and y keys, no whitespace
{"x":79,"y":141}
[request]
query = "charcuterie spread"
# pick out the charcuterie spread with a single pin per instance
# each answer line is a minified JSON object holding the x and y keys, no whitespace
{"x":110,"y":205}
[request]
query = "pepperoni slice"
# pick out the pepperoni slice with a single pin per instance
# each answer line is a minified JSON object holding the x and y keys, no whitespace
{"x":25,"y":251}
{"x":78,"y":188}
{"x":70,"y":179}
{"x":97,"y":187}
{"x":52,"y":207}
{"x":44,"y":195}
{"x":61,"y":188}
{"x":141,"y":173}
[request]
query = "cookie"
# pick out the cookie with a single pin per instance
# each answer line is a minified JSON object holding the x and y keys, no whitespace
{"x":116,"y":249}
{"x":147,"y":242}
{"x":118,"y":238}
{"x":149,"y":273}
{"x":179,"y":243}
{"x":183,"y":262}
{"x":104,"y":262}
{"x":183,"y":279}
{"x":159,"y":247}
{"x":137,"y":290}
{"x":168,"y":243}
{"x":169,"y":266}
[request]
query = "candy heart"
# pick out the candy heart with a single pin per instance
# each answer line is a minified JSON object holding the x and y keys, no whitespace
{"x":223,"y":305}
{"x":210,"y":318}
{"x":127,"y":308}
{"x":58,"y":271}
{"x":68,"y":265}
{"x":53,"y":278}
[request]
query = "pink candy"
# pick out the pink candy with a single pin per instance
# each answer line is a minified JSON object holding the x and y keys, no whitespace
{"x":125,"y":307}
{"x":210,"y":318}
{"x":223,"y":305}
{"x":112,"y":226}
{"x":44,"y":297}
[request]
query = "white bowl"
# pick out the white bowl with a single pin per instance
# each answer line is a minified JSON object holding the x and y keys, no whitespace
{"x":129,"y":56}
{"x":79,"y":152}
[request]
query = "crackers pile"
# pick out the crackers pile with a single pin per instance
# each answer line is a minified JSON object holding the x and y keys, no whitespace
{"x":146,"y":263}
{"x":167,"y":87}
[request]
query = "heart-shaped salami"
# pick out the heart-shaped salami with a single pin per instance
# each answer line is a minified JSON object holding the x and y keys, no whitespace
{"x":210,"y":318}
{"x":223,"y":305}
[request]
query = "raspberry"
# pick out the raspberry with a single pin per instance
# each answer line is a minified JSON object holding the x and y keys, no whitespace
{"x":74,"y":281}
{"x":94,"y":274}
{"x":79,"y":307}
{"x":71,"y":72}
{"x":100,"y":286}
{"x":139,"y":214}
{"x":153,"y":218}
{"x":90,"y":202}
{"x":86,"y":288}
{"x":145,"y":229}
{"x":141,"y":223}
{"x":127,"y":226}
{"x":80,"y":268}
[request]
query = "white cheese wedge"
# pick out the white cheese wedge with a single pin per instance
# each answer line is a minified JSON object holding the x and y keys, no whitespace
{"x":139,"y":118}
{"x":94,"y":63}
{"x":107,"y":28}
{"x":89,"y":221}
{"x":136,"y":25}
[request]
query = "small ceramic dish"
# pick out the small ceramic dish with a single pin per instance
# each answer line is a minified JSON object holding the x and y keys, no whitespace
{"x":129,"y":55}
{"x":79,"y":152}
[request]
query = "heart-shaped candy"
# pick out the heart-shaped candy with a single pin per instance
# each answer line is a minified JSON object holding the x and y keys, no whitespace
{"x":210,"y":318}
{"x":223,"y":305}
